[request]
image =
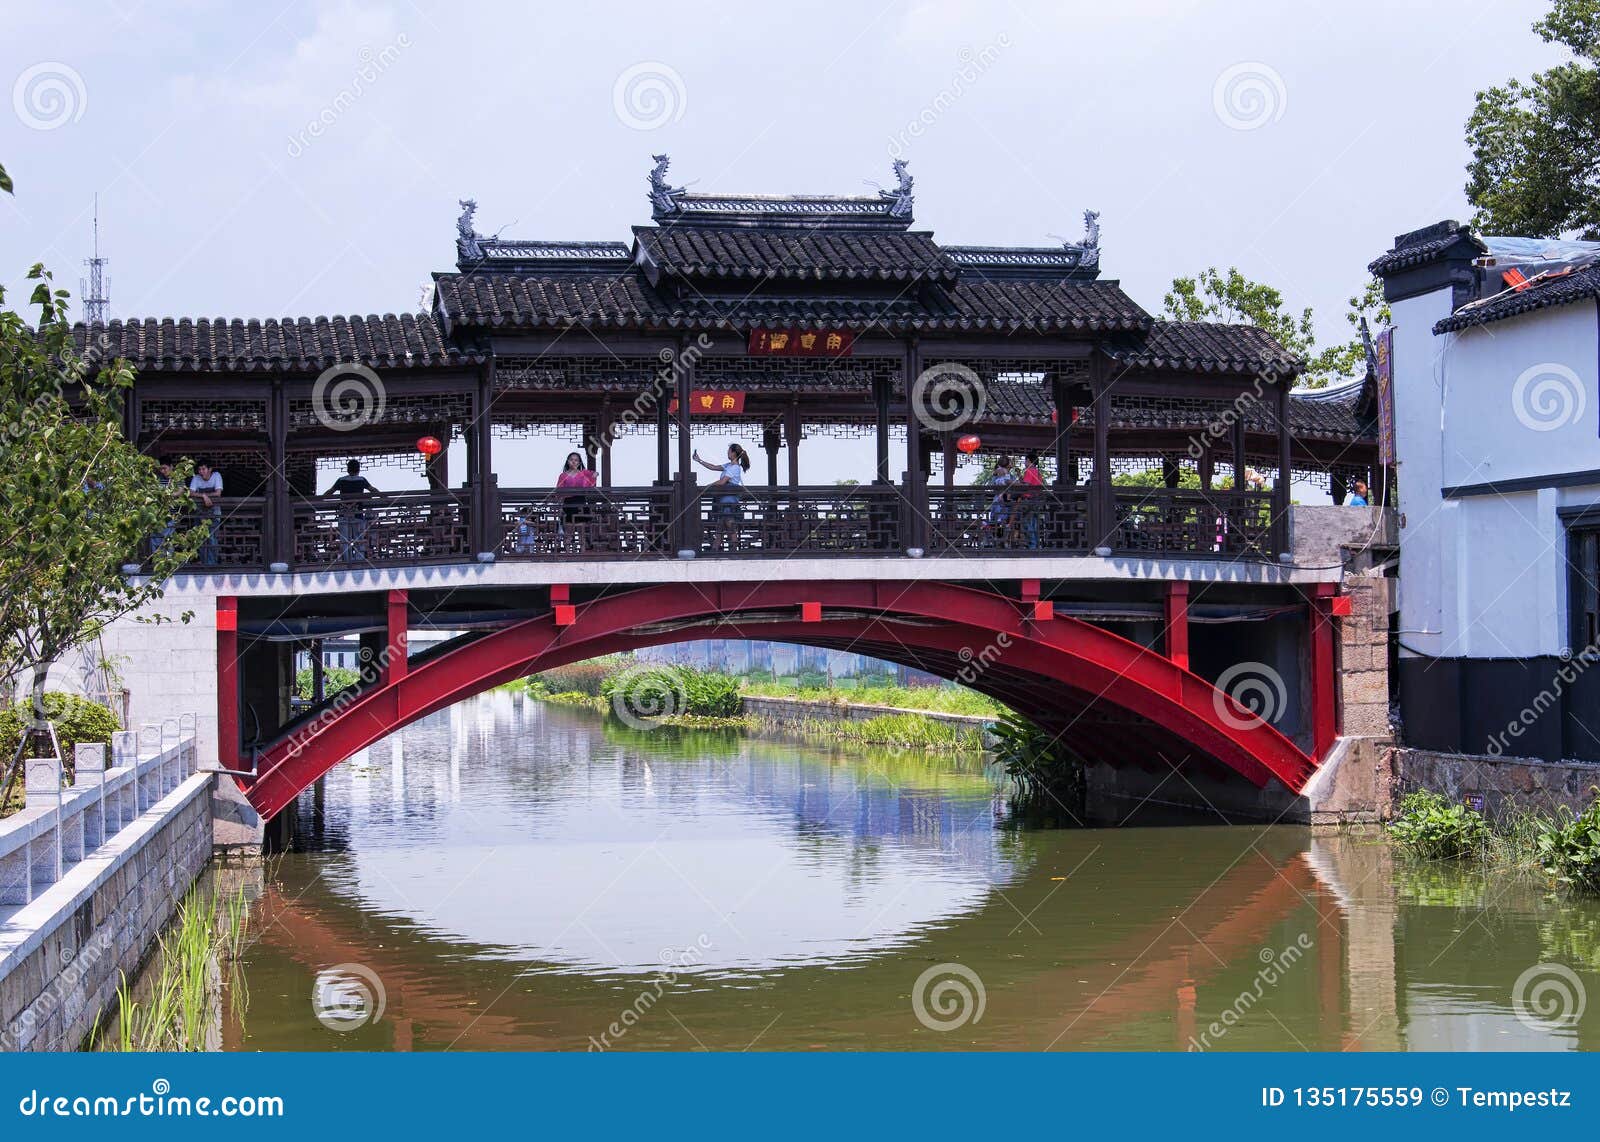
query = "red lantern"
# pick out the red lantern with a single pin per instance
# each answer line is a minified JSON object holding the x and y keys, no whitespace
{"x":969,"y":444}
{"x":1055,"y":416}
{"x":429,"y":446}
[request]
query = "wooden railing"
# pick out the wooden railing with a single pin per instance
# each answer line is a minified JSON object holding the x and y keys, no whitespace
{"x":236,"y":526}
{"x":1178,"y":521}
{"x":589,"y":523}
{"x":834,"y":519}
{"x":1017,"y":520}
{"x":406,"y":528}
{"x":400,"y":528}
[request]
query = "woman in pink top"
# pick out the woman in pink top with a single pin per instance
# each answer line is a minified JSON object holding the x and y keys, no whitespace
{"x":573,"y":475}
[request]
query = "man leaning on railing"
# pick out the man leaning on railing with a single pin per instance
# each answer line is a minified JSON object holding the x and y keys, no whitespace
{"x":353,"y":490}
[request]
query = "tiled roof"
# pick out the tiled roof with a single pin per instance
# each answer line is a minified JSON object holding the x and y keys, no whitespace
{"x":1207,"y":347}
{"x":1422,"y":246}
{"x":821,"y":254}
{"x":1580,"y":285}
{"x":624,"y":300}
{"x":1028,"y":403}
{"x":221,"y":345}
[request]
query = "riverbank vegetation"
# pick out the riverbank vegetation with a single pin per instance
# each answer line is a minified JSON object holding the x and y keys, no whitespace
{"x":179,"y":1007}
{"x":1563,"y":848}
{"x":689,"y":697}
{"x":75,"y":720}
{"x":1048,"y":778}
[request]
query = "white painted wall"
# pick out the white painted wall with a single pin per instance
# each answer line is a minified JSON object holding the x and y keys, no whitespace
{"x":1522,"y":397}
{"x":1418,"y":384}
{"x":1485,"y":576}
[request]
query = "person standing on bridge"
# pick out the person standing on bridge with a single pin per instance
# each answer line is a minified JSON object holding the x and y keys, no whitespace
{"x":726,"y":511}
{"x":574,"y":504}
{"x":352,"y":489}
{"x":205,"y":487}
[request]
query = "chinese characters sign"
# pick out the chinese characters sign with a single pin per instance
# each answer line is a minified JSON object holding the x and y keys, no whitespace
{"x":801,"y":342}
{"x":704,"y":401}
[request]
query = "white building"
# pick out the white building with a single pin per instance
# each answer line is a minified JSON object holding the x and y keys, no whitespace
{"x":1495,"y":355}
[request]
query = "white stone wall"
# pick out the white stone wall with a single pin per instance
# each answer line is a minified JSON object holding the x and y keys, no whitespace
{"x":170,"y":667}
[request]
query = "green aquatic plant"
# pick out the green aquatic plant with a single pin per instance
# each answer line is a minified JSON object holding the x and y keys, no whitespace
{"x":1569,"y":849}
{"x":1433,"y":827}
{"x":1048,"y":777}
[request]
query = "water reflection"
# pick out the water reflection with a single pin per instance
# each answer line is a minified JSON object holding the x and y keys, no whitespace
{"x":519,"y":875}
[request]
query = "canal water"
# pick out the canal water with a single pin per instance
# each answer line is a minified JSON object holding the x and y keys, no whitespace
{"x":515,"y":875}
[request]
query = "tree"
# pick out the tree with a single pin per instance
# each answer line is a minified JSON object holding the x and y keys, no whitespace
{"x":1231,"y":297}
{"x":77,"y":499}
{"x":1535,"y":169}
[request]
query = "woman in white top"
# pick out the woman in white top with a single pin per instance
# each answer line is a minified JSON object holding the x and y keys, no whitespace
{"x":731,"y":478}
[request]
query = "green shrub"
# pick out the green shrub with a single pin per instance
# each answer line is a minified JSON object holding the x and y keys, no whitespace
{"x":334,"y":679}
{"x":1436,"y":828}
{"x":76,"y":720}
{"x":1050,"y":779}
{"x":649,"y":692}
{"x":1569,"y":850}
{"x":582,"y":677}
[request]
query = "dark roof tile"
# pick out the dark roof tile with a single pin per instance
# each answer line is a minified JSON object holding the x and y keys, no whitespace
{"x":1579,"y":285}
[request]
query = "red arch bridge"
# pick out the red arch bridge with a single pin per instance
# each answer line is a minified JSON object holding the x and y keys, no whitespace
{"x":1230,"y":680}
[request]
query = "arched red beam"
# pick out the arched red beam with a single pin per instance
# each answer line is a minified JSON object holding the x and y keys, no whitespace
{"x":944,"y":620}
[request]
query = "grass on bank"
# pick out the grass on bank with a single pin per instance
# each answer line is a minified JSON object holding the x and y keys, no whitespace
{"x":178,"y":1010}
{"x":1563,"y":848}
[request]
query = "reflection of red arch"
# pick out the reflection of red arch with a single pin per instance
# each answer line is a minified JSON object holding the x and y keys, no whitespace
{"x":1055,"y":670}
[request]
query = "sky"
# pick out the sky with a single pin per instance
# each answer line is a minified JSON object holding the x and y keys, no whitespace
{"x":261,"y":160}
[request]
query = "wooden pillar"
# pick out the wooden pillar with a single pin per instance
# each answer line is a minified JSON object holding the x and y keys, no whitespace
{"x":1171,"y":472}
{"x":395,"y":643}
{"x":663,"y":396}
{"x":791,"y":435}
{"x":771,"y":441}
{"x":319,"y":673}
{"x":880,"y":402}
{"x":485,"y":497}
{"x":1280,"y":489}
{"x":1175,"y":629}
{"x":279,"y":545}
{"x":1063,"y":443}
{"x":1102,"y":498}
{"x":591,"y":443}
{"x":608,"y":429}
{"x":437,"y":466}
{"x":916,"y":488}
{"x":1237,"y":432}
{"x":1208,"y":466}
{"x":951,"y":459}
{"x":1324,"y":697}
{"x":228,"y":681}
{"x":686,"y":472}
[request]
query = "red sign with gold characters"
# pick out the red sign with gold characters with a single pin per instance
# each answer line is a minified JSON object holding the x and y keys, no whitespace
{"x":801,"y":342}
{"x":712,"y":401}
